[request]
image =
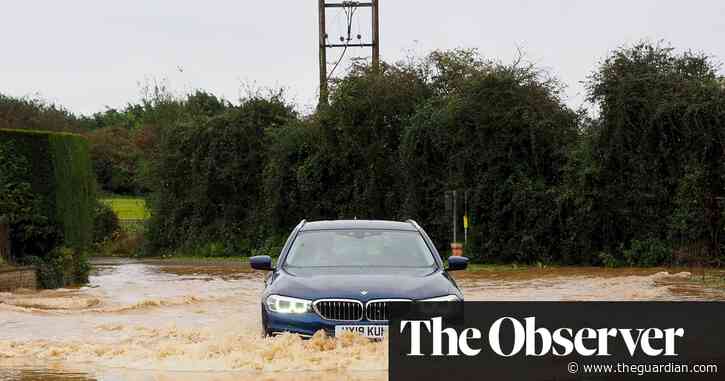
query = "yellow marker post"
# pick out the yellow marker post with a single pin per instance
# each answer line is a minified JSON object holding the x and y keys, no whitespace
{"x":465,"y":228}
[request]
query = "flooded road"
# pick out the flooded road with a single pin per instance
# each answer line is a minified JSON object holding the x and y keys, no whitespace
{"x":178,"y":322}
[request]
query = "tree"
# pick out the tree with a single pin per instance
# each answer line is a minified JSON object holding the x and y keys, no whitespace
{"x":116,"y":160}
{"x":37,"y":114}
{"x":208,"y":173}
{"x":502,"y":133}
{"x":357,"y":163}
{"x":660,"y":111}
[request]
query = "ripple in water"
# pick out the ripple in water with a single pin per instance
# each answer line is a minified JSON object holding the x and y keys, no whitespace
{"x":187,"y":322}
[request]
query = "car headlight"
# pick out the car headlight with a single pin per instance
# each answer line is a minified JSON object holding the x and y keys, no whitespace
{"x":287,"y":305}
{"x":446,"y":298}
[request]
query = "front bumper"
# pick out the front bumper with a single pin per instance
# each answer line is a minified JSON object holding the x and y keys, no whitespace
{"x":304,"y":325}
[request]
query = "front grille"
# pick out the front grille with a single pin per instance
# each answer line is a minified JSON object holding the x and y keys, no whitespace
{"x":379,"y":310}
{"x":339,"y":309}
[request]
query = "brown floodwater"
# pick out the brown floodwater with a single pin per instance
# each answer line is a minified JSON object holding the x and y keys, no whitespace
{"x":157,"y":321}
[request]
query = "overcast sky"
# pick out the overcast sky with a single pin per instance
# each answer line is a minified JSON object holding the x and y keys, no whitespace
{"x":91,"y":54}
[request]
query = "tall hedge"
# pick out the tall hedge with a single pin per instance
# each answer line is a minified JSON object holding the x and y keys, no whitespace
{"x":658,"y":152}
{"x":208,"y":175}
{"x":641,"y":180}
{"x":60,"y":177}
{"x":502,"y":135}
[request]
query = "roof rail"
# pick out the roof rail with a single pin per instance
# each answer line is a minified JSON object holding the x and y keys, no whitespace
{"x":415,"y":224}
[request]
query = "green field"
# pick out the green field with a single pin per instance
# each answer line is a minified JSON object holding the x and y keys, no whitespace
{"x":128,"y":208}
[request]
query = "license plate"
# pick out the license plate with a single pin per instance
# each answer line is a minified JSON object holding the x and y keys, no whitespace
{"x":369,"y":331}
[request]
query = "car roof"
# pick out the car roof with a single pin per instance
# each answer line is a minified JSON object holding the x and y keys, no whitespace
{"x":358,"y":224}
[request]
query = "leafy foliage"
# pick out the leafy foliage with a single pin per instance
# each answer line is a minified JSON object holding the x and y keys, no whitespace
{"x":32,"y":231}
{"x":647,"y":253}
{"x":660,"y":113}
{"x":35,"y":114}
{"x":116,"y":160}
{"x":357,"y":163}
{"x":209,"y":178}
{"x":105,"y":223}
{"x":74,"y":188}
{"x":47,"y":196}
{"x":290,"y":178}
{"x":543,"y":183}
{"x":123,"y":142}
{"x":502,"y":134}
{"x":61,"y":267}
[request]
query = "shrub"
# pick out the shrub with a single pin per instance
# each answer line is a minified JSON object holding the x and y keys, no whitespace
{"x":61,"y":267}
{"x":287,"y":179}
{"x":48,"y":194}
{"x":544,"y":183}
{"x":60,"y":178}
{"x":501,"y":136}
{"x":658,"y":138}
{"x":105,"y":222}
{"x":608,"y":260}
{"x":648,"y":252}
{"x":209,"y":180}
{"x":74,"y":188}
{"x":272,"y":246}
{"x":116,"y":160}
{"x":122,"y":244}
{"x":36,"y":114}
{"x":356,"y":171}
{"x":32,"y":232}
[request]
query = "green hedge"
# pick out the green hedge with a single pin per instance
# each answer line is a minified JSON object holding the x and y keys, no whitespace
{"x":60,"y":178}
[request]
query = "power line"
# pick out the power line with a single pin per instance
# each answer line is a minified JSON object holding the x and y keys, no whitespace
{"x":349,"y":14}
{"x":350,"y":9}
{"x":342,"y":55}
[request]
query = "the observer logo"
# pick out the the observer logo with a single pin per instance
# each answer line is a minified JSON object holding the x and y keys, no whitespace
{"x":535,"y":341}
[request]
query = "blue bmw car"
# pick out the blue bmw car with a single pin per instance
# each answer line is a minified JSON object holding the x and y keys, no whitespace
{"x":343,"y":275}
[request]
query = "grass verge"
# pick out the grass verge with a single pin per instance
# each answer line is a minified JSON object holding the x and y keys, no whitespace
{"x":128,"y":208}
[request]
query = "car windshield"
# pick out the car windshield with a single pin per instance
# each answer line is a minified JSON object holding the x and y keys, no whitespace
{"x":359,"y":248}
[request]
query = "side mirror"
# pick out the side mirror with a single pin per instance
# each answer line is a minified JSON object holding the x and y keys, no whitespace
{"x":457,"y":263}
{"x":261,"y":262}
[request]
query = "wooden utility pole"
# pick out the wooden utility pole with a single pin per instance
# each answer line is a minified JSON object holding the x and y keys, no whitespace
{"x":323,"y":54}
{"x":376,"y":35}
{"x":345,"y":41}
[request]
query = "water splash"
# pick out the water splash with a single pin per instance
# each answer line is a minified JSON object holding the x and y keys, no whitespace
{"x":146,"y":321}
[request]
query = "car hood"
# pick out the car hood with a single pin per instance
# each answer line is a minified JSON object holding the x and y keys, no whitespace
{"x":362,"y":283}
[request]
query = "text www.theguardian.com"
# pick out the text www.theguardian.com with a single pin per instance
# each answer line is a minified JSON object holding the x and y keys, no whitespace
{"x":642,"y":369}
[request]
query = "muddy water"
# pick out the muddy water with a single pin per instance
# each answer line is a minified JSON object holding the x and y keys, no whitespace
{"x":179,"y":322}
